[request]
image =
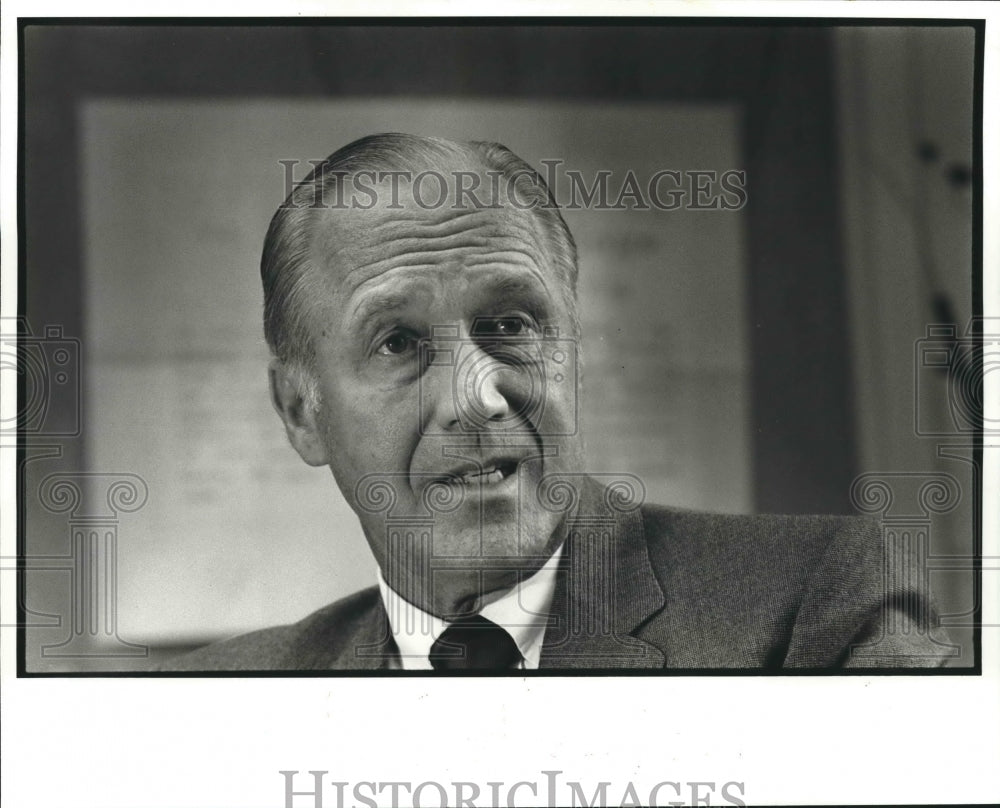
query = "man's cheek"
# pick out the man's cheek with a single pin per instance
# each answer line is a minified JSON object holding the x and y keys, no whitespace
{"x":385,"y":438}
{"x":558,"y":410}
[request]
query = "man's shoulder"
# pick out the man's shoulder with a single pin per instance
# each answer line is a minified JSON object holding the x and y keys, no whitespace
{"x":752,"y":538}
{"x":312,"y":643}
{"x":786,"y":591}
{"x":760,"y":563}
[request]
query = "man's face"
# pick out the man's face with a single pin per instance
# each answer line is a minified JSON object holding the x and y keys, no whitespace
{"x":446,"y":366}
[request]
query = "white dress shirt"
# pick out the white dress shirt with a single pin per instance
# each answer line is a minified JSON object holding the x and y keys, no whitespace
{"x":523,"y":611}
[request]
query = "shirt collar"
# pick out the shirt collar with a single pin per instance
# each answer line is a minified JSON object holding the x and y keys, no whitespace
{"x":522,"y":610}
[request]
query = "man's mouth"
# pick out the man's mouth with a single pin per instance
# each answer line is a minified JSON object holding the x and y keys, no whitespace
{"x":491,"y":474}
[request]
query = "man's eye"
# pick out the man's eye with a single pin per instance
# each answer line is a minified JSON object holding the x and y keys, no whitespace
{"x":500,"y":327}
{"x":396,"y":344}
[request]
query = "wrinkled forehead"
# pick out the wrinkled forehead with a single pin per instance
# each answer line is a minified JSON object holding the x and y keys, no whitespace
{"x":357,"y":245}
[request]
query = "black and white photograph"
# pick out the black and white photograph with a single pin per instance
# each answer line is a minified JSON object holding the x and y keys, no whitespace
{"x":485,"y":358}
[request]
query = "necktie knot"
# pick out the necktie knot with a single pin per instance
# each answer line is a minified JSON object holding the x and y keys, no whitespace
{"x":474,"y":643}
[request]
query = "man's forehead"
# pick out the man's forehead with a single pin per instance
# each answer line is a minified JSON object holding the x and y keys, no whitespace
{"x":356,"y":245}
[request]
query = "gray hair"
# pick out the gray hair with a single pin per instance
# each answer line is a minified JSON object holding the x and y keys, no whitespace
{"x":290,"y":282}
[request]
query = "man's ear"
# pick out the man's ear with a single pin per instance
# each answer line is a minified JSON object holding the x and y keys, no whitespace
{"x":299,"y":417}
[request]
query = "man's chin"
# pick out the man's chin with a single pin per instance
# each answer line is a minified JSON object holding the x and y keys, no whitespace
{"x":494,"y":537}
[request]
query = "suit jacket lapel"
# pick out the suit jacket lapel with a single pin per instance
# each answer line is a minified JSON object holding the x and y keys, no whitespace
{"x":372,"y":647}
{"x":366,"y":644}
{"x":605,"y":590}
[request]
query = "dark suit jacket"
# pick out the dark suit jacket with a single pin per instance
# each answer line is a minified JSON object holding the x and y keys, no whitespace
{"x":659,"y":588}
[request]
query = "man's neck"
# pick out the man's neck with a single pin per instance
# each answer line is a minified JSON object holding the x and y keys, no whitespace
{"x":452,"y":593}
{"x":521,"y":610}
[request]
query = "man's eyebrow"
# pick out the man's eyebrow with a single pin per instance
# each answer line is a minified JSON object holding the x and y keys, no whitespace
{"x":501,"y":289}
{"x":380,"y":303}
{"x":516,"y":287}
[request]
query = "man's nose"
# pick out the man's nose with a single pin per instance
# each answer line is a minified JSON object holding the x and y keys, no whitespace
{"x":479,"y":391}
{"x":474,"y":396}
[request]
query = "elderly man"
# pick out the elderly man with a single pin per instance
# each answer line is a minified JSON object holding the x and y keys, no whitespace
{"x":420,"y":304}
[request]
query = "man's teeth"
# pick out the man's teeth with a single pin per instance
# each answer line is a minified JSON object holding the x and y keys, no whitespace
{"x":489,"y":477}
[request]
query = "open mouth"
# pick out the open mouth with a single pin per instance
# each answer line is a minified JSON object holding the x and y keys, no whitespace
{"x":489,"y":474}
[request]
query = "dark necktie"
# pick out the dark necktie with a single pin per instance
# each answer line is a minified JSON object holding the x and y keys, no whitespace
{"x":474,"y":643}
